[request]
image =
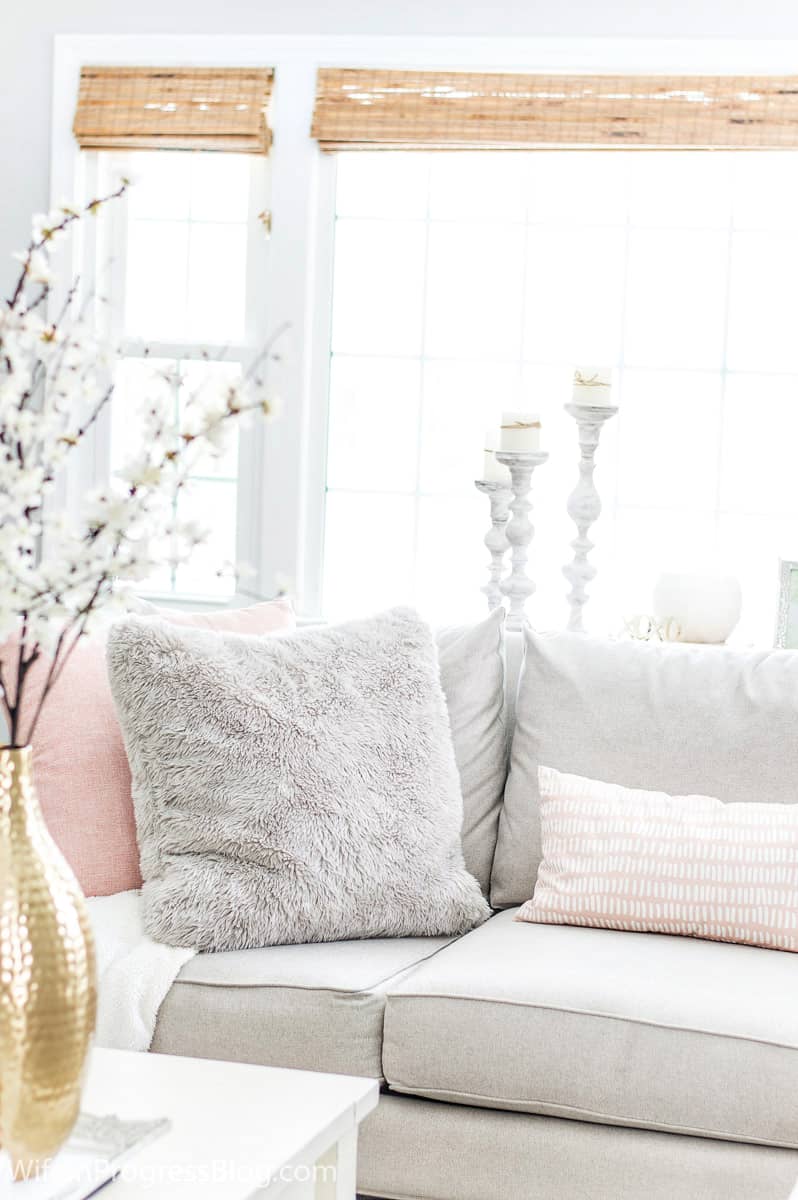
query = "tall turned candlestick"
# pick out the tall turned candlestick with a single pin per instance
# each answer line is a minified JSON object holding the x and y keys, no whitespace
{"x":584,"y":507}
{"x":518,"y":586}
{"x":496,"y":537}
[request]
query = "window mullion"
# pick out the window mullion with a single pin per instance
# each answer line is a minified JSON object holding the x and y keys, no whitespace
{"x":293,"y":467}
{"x":250,"y":446}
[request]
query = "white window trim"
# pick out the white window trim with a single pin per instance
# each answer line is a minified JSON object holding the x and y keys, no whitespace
{"x":281,"y":496}
{"x":101,"y":178}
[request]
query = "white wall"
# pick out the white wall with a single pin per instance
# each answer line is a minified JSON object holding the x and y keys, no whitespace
{"x":27,"y":28}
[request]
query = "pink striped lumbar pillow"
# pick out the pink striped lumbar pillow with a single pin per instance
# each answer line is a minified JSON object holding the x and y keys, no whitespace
{"x":623,"y":858}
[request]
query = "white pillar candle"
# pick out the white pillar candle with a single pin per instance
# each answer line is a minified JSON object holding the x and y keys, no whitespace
{"x":520,"y":432}
{"x":493,"y":471}
{"x":593,"y":385}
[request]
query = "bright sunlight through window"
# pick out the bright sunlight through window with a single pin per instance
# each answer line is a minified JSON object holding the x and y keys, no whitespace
{"x":466,"y":284}
{"x":181,"y":273}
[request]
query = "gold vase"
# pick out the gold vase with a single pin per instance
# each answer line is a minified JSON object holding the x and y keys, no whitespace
{"x":47,"y":977}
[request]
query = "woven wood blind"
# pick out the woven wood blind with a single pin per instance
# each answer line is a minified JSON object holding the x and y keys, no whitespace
{"x":368,"y":110}
{"x":174,"y":108}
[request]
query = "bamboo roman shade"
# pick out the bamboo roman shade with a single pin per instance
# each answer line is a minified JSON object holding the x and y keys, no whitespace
{"x":174,"y":108}
{"x":438,"y":110}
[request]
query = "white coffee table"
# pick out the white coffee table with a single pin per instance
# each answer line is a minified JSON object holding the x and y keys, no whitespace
{"x":237,"y":1131}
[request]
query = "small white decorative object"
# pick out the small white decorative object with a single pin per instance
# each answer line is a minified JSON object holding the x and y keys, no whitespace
{"x":496,"y":537}
{"x":520,"y":433}
{"x":493,"y":471}
{"x":592,"y":386}
{"x":702,"y":607}
{"x":518,"y":586}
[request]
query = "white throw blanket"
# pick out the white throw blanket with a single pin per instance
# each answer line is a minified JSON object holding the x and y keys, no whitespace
{"x":134,"y":972}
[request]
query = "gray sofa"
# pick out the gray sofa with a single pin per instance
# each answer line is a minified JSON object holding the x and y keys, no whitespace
{"x":537,"y":1062}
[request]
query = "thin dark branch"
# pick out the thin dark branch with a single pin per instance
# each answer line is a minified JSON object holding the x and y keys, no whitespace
{"x":64,"y":307}
{"x":34,"y":304}
{"x":56,"y":667}
{"x":101,"y":403}
{"x":23,"y":666}
{"x":48,"y":683}
{"x":4,"y":698}
{"x":267,"y":349}
{"x":21,"y":655}
{"x":39,"y":370}
{"x":68,"y":219}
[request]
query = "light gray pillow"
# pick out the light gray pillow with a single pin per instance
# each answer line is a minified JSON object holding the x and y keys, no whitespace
{"x":685,"y":720}
{"x":472,"y":674}
{"x":296,"y":788}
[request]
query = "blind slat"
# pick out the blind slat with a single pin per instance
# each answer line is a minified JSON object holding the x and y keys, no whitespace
{"x":174,"y":108}
{"x":386,"y":109}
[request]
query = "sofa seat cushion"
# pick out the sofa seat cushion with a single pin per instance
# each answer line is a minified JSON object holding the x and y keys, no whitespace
{"x":315,"y":1007}
{"x":632,"y":1029}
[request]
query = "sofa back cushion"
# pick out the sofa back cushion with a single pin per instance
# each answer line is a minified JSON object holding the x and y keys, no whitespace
{"x":471,"y":662}
{"x":670,"y":718}
{"x":81,"y":770}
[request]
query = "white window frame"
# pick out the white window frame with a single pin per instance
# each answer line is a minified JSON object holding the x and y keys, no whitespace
{"x":283,"y":466}
{"x":101,"y":243}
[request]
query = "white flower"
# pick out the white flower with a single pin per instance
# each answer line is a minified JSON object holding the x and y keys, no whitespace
{"x":39,"y":269}
{"x":45,"y":226}
{"x":12,"y":388}
{"x":111,"y":509}
{"x":142,"y":473}
{"x":193,"y":532}
{"x":219,"y":437}
{"x":29,"y":325}
{"x":53,"y":383}
{"x":69,"y":208}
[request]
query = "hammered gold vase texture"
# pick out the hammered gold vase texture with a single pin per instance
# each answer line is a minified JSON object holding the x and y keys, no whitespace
{"x":47,"y":977}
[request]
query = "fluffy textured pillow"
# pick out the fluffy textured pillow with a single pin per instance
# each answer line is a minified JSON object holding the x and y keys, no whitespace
{"x":81,"y":771}
{"x":677,"y":718}
{"x":295,"y":789}
{"x":623,"y":858}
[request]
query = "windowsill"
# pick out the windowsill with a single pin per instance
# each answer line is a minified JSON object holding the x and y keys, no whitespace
{"x":197,"y":603}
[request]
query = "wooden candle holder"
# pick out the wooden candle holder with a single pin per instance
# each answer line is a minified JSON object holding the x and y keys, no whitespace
{"x":496,"y":537}
{"x":584,"y":507}
{"x":518,"y":586}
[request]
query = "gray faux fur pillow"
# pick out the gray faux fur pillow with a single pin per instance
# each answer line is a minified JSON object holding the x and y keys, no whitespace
{"x":299,"y":788}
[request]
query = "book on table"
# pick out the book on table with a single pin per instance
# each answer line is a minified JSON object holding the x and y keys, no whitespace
{"x":94,"y":1154}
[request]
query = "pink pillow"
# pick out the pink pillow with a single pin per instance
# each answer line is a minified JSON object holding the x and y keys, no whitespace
{"x":81,"y":770}
{"x":620,"y":858}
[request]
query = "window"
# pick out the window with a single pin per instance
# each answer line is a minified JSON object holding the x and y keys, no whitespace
{"x":426,"y":291}
{"x":468,"y":283}
{"x":181,"y":259}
